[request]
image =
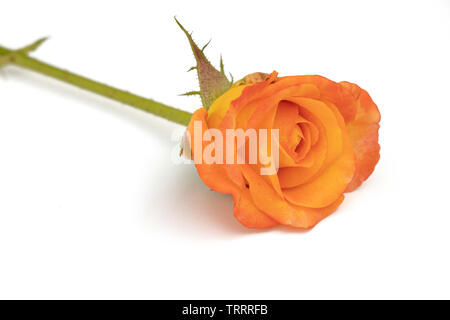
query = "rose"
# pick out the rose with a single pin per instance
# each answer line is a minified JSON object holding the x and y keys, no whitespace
{"x":326,"y":142}
{"x":328,"y":145}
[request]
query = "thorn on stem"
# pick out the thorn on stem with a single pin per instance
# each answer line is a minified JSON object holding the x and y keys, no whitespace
{"x":32,"y":47}
{"x":9,"y":56}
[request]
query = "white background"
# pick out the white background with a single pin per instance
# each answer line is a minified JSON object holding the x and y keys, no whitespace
{"x":92,"y":207}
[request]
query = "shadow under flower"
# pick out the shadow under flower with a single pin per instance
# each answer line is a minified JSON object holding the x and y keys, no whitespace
{"x":195,"y":211}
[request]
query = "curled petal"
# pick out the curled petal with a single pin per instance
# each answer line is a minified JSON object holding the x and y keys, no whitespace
{"x":268,"y":201}
{"x":363,"y":131}
{"x":248,"y":214}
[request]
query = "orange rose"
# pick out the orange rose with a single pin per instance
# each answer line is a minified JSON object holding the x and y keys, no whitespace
{"x":326,"y":140}
{"x":328,"y":145}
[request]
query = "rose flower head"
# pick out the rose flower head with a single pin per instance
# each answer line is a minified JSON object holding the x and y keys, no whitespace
{"x":320,"y":141}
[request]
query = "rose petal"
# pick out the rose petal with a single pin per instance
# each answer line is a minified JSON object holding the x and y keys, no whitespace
{"x":248,"y":214}
{"x":363,"y":131}
{"x":268,"y":201}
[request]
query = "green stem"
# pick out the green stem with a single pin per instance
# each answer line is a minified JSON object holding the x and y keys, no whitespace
{"x":20,"y":58}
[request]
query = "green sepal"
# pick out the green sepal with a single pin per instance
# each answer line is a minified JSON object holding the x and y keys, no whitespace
{"x":213,"y":83}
